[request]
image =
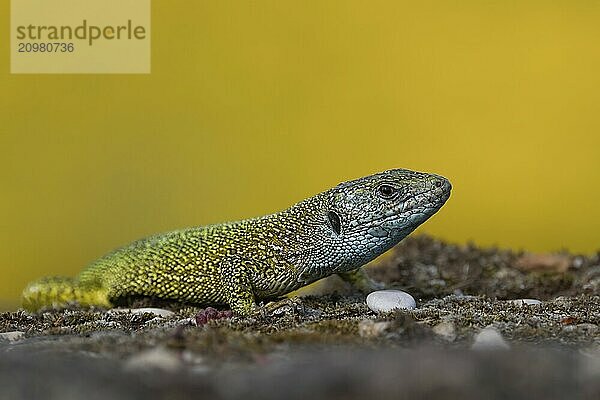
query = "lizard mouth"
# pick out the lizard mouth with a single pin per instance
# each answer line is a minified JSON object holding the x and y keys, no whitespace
{"x":432,"y":198}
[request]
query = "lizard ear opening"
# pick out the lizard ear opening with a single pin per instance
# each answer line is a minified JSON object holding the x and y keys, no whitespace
{"x":334,"y":220}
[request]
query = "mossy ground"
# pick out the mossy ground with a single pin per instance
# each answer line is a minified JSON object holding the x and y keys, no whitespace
{"x":329,"y":337}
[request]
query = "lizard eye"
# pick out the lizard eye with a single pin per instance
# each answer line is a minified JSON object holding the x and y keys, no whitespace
{"x":335,"y":222}
{"x":386,"y":191}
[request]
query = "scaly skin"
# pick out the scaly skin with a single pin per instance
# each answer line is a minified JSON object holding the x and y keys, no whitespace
{"x":237,"y":263}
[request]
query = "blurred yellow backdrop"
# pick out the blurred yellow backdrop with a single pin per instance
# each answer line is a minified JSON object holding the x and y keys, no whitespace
{"x":252,"y":106}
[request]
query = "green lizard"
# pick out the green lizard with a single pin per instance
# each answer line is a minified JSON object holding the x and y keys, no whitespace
{"x":238,"y":263}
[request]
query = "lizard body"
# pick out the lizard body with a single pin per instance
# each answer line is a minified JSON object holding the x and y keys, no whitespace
{"x":237,"y":263}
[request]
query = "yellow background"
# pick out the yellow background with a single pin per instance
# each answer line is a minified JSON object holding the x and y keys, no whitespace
{"x":252,"y":106}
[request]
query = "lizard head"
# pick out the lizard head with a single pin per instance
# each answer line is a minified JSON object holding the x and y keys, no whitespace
{"x":367,"y":216}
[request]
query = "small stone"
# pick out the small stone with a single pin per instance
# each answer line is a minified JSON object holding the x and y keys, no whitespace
{"x":11,"y":336}
{"x":370,"y":329}
{"x":157,"y":358}
{"x":568,"y":320}
{"x":388,"y":300}
{"x":522,"y":302}
{"x":558,"y":263}
{"x":161,"y":312}
{"x":489,"y":339}
{"x":211,"y":313}
{"x":186,"y":321}
{"x":194,"y":362}
{"x":445,"y":330}
{"x":201,"y":319}
{"x":587,"y":329}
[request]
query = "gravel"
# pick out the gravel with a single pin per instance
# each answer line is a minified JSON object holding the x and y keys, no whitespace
{"x":541,"y":311}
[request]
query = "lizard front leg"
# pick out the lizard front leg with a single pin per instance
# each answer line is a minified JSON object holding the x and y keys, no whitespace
{"x":238,"y":288}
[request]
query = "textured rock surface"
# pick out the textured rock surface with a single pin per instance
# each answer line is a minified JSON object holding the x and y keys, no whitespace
{"x":332,"y":344}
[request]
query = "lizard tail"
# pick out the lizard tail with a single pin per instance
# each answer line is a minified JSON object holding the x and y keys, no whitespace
{"x":59,"y":292}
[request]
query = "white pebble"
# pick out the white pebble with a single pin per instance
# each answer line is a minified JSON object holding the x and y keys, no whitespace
{"x":587,"y":329}
{"x":529,"y":302}
{"x":161,"y":312}
{"x":157,"y":358}
{"x":370,"y":329}
{"x":445,"y":330}
{"x":388,"y":300}
{"x":489,"y":339}
{"x":11,"y":336}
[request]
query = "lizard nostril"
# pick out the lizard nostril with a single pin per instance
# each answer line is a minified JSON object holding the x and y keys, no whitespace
{"x":437,"y":183}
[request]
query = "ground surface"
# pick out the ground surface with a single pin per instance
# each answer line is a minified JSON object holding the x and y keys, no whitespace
{"x":329,"y":344}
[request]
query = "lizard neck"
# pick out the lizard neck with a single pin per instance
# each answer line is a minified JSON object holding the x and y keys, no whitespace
{"x":308,"y":242}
